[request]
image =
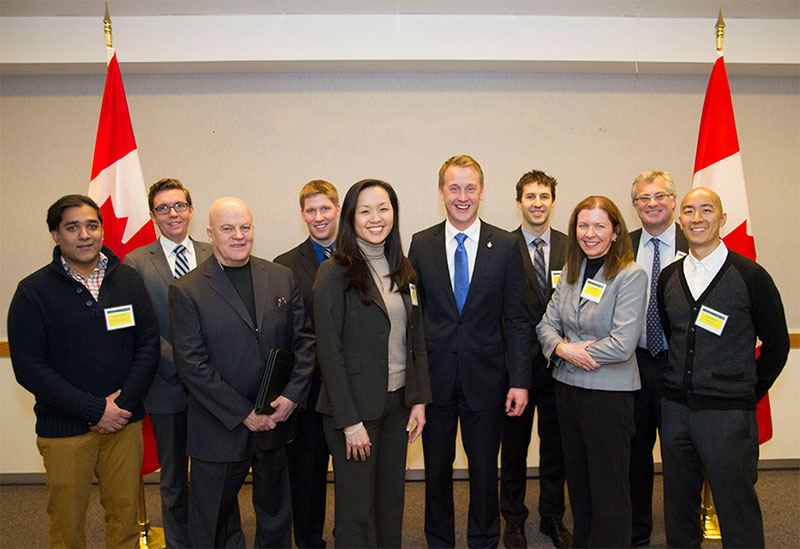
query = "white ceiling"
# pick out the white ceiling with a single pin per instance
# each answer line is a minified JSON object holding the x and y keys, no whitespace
{"x":738,"y":9}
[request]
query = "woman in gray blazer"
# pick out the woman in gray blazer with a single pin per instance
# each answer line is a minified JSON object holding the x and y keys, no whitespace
{"x":589,"y":333}
{"x":375,"y":380}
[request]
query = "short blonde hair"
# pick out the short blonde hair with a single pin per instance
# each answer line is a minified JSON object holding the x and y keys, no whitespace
{"x":462,"y":161}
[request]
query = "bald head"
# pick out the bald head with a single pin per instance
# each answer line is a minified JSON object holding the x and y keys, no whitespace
{"x":701,"y":220}
{"x":230,"y":231}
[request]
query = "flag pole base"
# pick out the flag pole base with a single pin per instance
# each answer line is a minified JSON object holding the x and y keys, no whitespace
{"x":710,"y":525}
{"x":151,"y":537}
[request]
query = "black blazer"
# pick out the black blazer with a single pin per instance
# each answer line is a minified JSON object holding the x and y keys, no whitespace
{"x":680,"y":240}
{"x":475,"y":344}
{"x":166,"y":395}
{"x":534,"y":301}
{"x":303,"y":262}
{"x":220,"y":353}
{"x":353,"y":352}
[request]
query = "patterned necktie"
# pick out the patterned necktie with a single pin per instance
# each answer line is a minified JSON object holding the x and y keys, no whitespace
{"x":181,"y":264}
{"x":460,"y":273}
{"x":538,"y":266}
{"x":327,"y":252}
{"x":655,"y":339}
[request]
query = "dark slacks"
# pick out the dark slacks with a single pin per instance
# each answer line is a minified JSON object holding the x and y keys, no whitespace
{"x":308,"y":473}
{"x":596,"y":431}
{"x":370,"y":494}
{"x":213,"y":501}
{"x":647,"y":418}
{"x":170,"y":433}
{"x":724,"y":443}
{"x":514,"y":460}
{"x":480,"y":435}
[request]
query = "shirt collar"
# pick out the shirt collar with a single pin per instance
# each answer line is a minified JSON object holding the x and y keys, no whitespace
{"x":473,"y":232}
{"x":712,"y":261}
{"x":102,"y":264}
{"x":667,"y":237}
{"x":169,"y":246}
{"x":529,"y":238}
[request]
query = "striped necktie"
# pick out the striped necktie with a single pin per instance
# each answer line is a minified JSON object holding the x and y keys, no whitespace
{"x":181,"y":263}
{"x":538,"y":266}
{"x":327,"y":251}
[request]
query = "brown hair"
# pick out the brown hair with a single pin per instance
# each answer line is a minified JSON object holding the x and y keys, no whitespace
{"x":318,"y":186}
{"x":462,"y":161}
{"x":536,"y":176}
{"x":164,"y":185}
{"x":619,"y":255}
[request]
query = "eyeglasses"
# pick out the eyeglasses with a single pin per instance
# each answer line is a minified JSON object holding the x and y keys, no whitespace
{"x":646,"y":198}
{"x":164,"y":209}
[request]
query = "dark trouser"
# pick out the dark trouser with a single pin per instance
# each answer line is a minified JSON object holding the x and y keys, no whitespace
{"x":596,"y":431}
{"x":514,"y":461}
{"x":170,"y":433}
{"x":369,"y":495}
{"x":724,"y":443}
{"x":308,"y":471}
{"x":480,"y":435}
{"x":214,"y":508}
{"x":647,"y":417}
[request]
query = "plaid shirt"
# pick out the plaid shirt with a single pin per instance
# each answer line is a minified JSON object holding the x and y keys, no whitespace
{"x":95,"y":278}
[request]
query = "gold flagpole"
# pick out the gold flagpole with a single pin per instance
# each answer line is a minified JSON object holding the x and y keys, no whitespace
{"x":107,"y":27}
{"x":708,"y":515}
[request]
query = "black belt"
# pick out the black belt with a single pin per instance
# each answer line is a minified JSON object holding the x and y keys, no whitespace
{"x":661,"y":354}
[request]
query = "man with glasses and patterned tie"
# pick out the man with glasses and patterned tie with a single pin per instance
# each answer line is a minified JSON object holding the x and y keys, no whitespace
{"x":478,"y":336}
{"x":657,"y":244}
{"x":308,"y":452}
{"x":543,"y":251}
{"x":171,"y":256}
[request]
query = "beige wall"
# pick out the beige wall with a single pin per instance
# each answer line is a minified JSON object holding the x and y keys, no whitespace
{"x":261,"y":137}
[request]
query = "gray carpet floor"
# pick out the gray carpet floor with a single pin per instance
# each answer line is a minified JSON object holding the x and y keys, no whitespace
{"x":24,"y":521}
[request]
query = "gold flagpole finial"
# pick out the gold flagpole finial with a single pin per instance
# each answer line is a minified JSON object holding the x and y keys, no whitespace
{"x":107,"y":27}
{"x":720,"y":26}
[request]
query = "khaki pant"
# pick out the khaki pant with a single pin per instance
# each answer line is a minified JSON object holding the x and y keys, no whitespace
{"x":71,"y":462}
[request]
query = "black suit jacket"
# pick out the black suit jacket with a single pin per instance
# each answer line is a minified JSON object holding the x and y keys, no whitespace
{"x":535,"y":303}
{"x":220,"y":353}
{"x":166,"y":395}
{"x":352,"y":347}
{"x":475,"y":345}
{"x":303,"y":262}
{"x":680,"y":240}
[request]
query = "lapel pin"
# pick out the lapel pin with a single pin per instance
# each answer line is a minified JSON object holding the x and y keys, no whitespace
{"x":489,"y":244}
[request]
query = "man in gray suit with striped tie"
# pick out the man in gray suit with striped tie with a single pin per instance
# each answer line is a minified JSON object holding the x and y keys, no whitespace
{"x":168,"y":258}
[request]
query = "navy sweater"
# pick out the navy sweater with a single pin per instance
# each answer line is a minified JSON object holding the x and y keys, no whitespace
{"x":62,"y":352}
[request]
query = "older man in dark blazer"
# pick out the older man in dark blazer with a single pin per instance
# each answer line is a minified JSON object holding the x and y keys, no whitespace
{"x":226,"y":315}
{"x":543,"y":251}
{"x":159,"y":264}
{"x":308,"y":452}
{"x":471,"y":286}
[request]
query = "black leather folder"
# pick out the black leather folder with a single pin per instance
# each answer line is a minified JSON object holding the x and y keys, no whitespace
{"x":277,"y":371}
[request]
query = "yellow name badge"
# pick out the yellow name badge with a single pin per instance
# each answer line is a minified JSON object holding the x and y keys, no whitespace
{"x":711,"y":320}
{"x":412,"y":289}
{"x":554,"y":277}
{"x":118,"y":318}
{"x":593,"y":290}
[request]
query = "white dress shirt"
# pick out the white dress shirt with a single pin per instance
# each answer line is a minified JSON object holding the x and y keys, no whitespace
{"x":700,"y":272}
{"x":529,"y":238}
{"x":169,"y":252}
{"x":667,"y":250}
{"x":473,"y":233}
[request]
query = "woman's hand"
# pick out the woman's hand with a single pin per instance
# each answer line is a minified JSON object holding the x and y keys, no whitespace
{"x":357,"y":442}
{"x":417,"y":415}
{"x":576,"y":354}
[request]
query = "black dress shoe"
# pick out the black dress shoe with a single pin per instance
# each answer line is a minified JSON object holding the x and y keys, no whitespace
{"x":556,"y":531}
{"x":514,"y":536}
{"x":641,"y":541}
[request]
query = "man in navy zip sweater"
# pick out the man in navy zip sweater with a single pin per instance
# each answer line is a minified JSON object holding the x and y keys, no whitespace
{"x":84,"y":340}
{"x":713,"y":305}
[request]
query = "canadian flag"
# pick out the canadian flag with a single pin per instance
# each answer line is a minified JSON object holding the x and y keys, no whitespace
{"x":117,"y":186}
{"x":718,"y":166}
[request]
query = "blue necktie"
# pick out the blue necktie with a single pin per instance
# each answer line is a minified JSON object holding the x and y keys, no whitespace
{"x":655,"y":339}
{"x":460,"y":273}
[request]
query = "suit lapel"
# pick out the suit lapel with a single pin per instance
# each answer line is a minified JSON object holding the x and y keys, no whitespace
{"x":202,"y":251}
{"x":482,"y":259}
{"x":160,"y":262}
{"x":439,"y":258}
{"x":681,"y":243}
{"x":375,"y":295}
{"x":527,"y":265}
{"x":308,"y":259}
{"x":260,"y":276}
{"x":558,"y":252}
{"x":218,"y":281}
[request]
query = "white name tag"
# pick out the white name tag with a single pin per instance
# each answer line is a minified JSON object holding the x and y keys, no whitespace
{"x":679,"y":255}
{"x":593,"y":290}
{"x":711,"y":320}
{"x":119,"y":317}
{"x":412,"y":289}
{"x":554,"y":277}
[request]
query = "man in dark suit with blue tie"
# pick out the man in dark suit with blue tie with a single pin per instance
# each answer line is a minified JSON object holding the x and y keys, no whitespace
{"x":478,"y":339}
{"x":308,"y":452}
{"x":543,"y":251}
{"x":657,"y":244}
{"x":168,"y":258}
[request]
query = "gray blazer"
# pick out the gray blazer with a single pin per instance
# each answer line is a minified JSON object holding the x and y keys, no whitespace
{"x":615,"y":325}
{"x":166,"y":395}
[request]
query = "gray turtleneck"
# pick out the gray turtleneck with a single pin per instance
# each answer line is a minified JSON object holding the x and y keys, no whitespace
{"x":379,"y":267}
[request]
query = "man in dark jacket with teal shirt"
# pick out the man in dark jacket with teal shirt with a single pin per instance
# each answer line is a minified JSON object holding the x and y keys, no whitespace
{"x":84,"y":340}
